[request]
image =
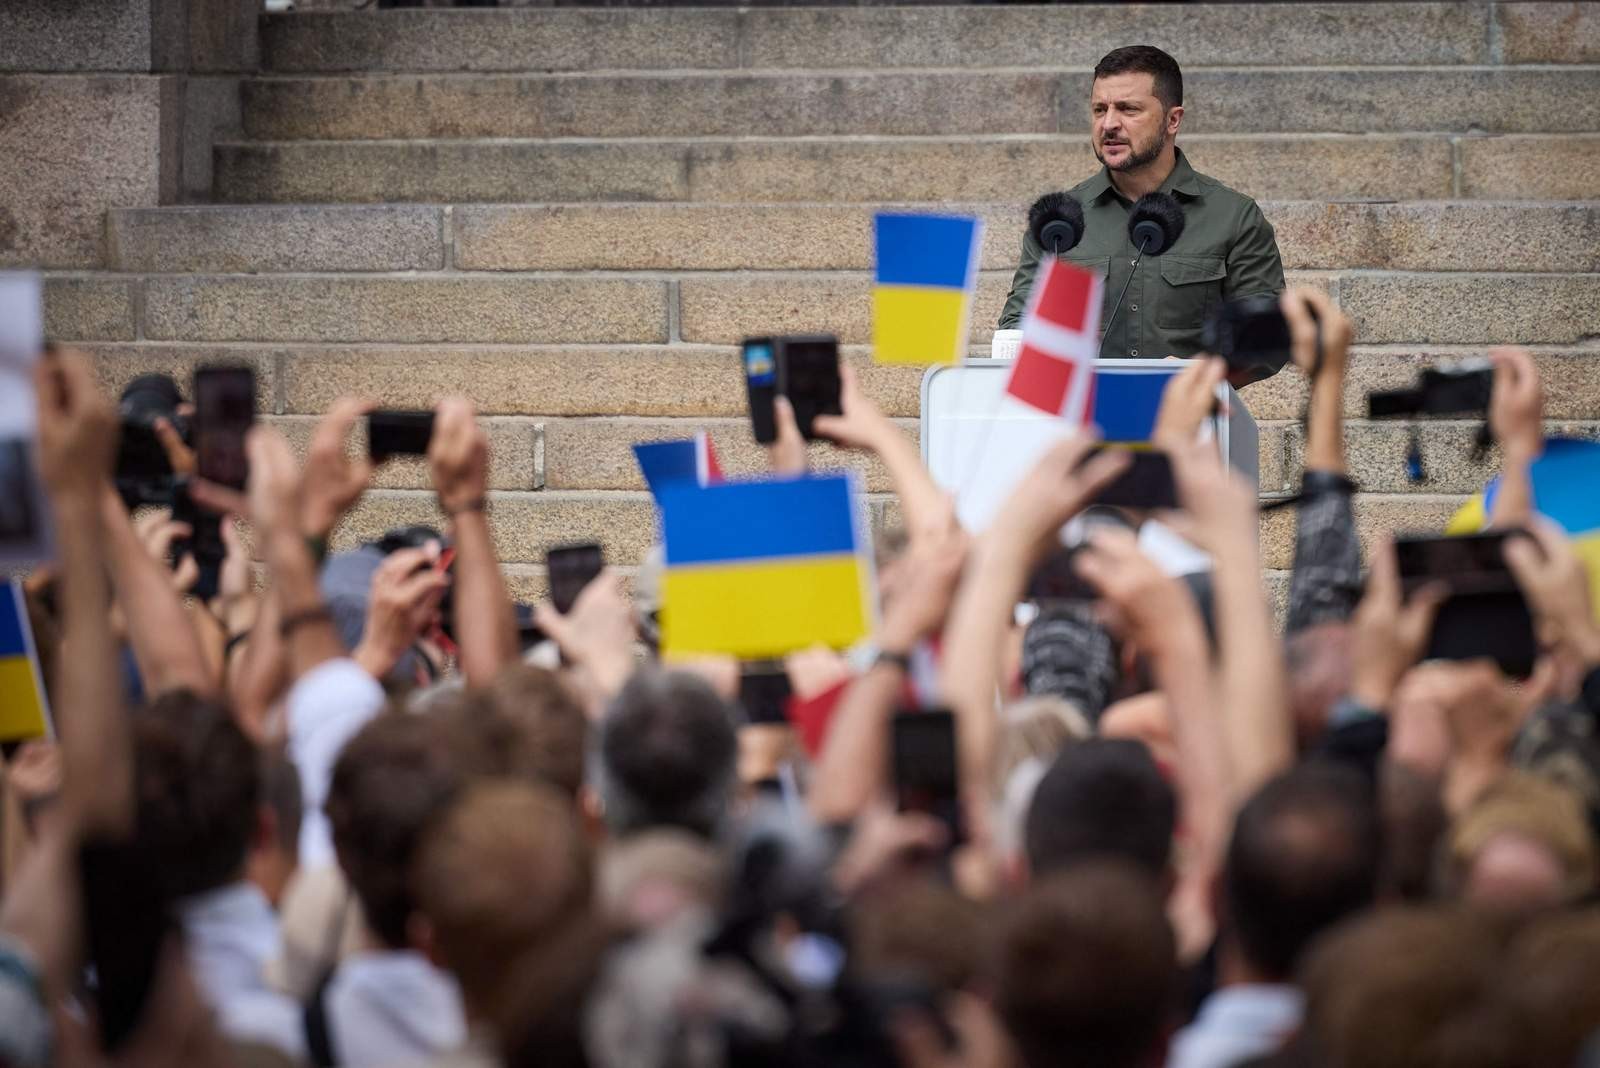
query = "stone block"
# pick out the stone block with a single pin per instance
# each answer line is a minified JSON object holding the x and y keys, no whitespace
{"x":1272,"y":458}
{"x":445,"y":171}
{"x":72,"y":146}
{"x":1378,"y":515}
{"x":598,"y":453}
{"x":88,"y":307}
{"x":512,"y":444}
{"x":664,"y":381}
{"x":1376,"y":457}
{"x":527,"y":40}
{"x":272,"y":239}
{"x":651,"y":105}
{"x":117,"y":365}
{"x":333,"y":308}
{"x":1531,"y":168}
{"x":1548,"y":33}
{"x":210,"y":114}
{"x":1453,"y":236}
{"x":523,"y":525}
{"x":1466,"y":309}
{"x":1078,"y":35}
{"x":75,"y":35}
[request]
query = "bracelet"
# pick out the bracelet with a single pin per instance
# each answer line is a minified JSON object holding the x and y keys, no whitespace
{"x":477,"y":504}
{"x":897,"y":659}
{"x":295,"y":620}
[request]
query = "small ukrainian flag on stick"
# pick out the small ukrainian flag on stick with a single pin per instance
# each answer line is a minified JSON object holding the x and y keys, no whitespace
{"x":927,"y":271}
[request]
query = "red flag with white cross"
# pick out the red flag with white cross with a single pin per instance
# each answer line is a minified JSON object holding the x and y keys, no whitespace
{"x":1054,"y":371}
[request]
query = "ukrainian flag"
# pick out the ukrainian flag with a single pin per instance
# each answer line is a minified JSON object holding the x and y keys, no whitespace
{"x":760,"y":569}
{"x":1564,"y":480}
{"x":927,"y":271}
{"x":23,"y":712}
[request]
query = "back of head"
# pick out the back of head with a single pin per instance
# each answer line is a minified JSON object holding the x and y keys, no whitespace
{"x":532,"y":725}
{"x":198,"y":784}
{"x":1549,"y":983}
{"x":1102,"y":797}
{"x":396,"y":774}
{"x":1305,"y":854}
{"x":1145,"y":59}
{"x":1407,"y":988}
{"x":1087,"y":971}
{"x":1523,"y":846}
{"x":667,"y":755}
{"x":497,"y":875}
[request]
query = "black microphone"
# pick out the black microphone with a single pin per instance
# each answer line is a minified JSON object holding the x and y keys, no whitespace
{"x":1056,"y":222}
{"x":1154,"y":225}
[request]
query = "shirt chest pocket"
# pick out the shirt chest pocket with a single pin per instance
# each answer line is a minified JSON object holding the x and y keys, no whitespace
{"x":1192,"y":289}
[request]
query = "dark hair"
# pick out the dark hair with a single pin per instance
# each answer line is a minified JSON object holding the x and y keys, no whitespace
{"x":667,"y":754}
{"x":398,"y":773}
{"x":1103,"y":796}
{"x":1145,"y":59}
{"x":1087,"y":971}
{"x":280,"y":791}
{"x":198,"y":783}
{"x":1305,"y":854}
{"x":533,"y":725}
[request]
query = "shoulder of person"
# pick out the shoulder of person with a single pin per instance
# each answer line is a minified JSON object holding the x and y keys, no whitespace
{"x":1226,"y":196}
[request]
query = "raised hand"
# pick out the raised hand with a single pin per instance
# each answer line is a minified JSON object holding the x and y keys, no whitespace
{"x":157,"y":531}
{"x":862,"y":424}
{"x":597,"y":635}
{"x":1060,"y":486}
{"x":458,"y":457}
{"x":787,"y":453}
{"x":1558,"y":586}
{"x":1187,"y":402}
{"x":333,"y":480}
{"x":1311,"y":314}
{"x":1516,"y":405}
{"x":77,"y":426}
{"x":402,"y":605}
{"x":1390,"y":632}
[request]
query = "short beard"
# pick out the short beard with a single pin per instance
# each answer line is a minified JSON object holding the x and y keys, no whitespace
{"x":1135,"y":160}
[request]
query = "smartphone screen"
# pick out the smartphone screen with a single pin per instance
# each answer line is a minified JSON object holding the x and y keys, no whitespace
{"x":392,"y":433}
{"x":925,"y":772}
{"x":224,"y":409}
{"x":571,"y":568}
{"x":1147,"y":482}
{"x":764,"y":692}
{"x":761,"y":382}
{"x":808,"y":371}
{"x":1486,"y":615}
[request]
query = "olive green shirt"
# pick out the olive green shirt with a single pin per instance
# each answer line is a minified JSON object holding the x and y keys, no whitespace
{"x":1227,"y":251}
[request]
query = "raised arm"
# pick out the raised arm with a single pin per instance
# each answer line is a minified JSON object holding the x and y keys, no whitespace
{"x":1516,"y":418}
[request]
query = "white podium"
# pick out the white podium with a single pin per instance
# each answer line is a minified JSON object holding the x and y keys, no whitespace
{"x":978,"y":442}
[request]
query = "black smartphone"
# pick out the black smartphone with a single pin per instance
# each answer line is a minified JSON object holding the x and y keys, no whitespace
{"x":808,"y":374}
{"x":1249,"y":334}
{"x":571,"y":568}
{"x":761,"y":383}
{"x":392,"y":433}
{"x":925,"y":770}
{"x":204,"y":543}
{"x":1147,"y":481}
{"x":19,"y":521}
{"x":224,"y":409}
{"x":1486,"y":615}
{"x":764,"y":691}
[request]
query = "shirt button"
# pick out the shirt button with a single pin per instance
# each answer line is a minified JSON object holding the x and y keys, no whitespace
{"x":1133,"y":352}
{"x":1133,"y":307}
{"x":1133,"y":263}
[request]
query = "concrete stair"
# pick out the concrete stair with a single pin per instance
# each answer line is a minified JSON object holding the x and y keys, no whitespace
{"x":572,"y":215}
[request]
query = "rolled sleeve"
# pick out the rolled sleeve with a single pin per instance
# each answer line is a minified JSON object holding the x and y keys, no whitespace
{"x":1254,"y":266}
{"x":1325,"y":585}
{"x":327,"y":707}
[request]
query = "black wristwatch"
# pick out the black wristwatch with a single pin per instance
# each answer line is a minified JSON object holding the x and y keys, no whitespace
{"x":889,"y":656}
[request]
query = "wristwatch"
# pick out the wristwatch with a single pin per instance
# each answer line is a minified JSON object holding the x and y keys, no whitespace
{"x":893,"y":657}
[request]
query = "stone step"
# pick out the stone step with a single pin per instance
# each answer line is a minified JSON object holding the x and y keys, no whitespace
{"x":1318,"y":34}
{"x":869,"y":170}
{"x":885,"y":103}
{"x":721,"y":308}
{"x":1318,"y":235}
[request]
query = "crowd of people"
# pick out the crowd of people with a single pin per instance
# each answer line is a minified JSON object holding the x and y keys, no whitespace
{"x":278,"y":829}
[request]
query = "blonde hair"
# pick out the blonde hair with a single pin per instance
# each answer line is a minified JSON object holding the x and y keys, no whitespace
{"x":1532,"y":808}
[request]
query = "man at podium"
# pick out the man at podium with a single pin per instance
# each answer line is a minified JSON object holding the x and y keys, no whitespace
{"x":1227,"y":250}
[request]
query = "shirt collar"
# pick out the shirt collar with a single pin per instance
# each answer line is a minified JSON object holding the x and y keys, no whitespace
{"x":1183,"y":180}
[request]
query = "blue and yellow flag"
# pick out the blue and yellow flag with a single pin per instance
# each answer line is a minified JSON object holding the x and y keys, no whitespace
{"x":927,"y":271}
{"x":759,"y":569}
{"x":24,"y":713}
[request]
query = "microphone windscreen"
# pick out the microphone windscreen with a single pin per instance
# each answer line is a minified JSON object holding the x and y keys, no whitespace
{"x":1158,"y":217}
{"x":1056,"y":221}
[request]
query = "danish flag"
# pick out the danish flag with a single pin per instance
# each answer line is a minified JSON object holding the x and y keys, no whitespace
{"x":1054,"y":371}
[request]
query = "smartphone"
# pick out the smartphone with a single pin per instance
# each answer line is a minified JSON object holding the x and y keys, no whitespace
{"x":392,"y":433}
{"x":761,"y":383}
{"x":1486,"y":614}
{"x":224,"y":409}
{"x":204,"y":542}
{"x":571,"y":568}
{"x":925,"y":771}
{"x":1147,"y":482}
{"x":808,"y":374}
{"x":764,"y":691}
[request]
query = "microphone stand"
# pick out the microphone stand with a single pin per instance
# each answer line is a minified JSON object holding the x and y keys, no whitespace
{"x":1137,"y":259}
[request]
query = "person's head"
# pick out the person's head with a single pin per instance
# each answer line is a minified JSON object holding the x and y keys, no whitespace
{"x":1318,"y":659}
{"x":197,"y":780}
{"x":1549,"y":983}
{"x":498,"y":874}
{"x":1136,"y":105}
{"x":398,"y":773}
{"x":1305,"y":855}
{"x":1524,"y":846}
{"x":667,"y":755}
{"x":275,"y":857}
{"x":1407,"y":988}
{"x":920,"y":930}
{"x":1086,"y":971}
{"x":1101,"y":798}
{"x":532,"y":725}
